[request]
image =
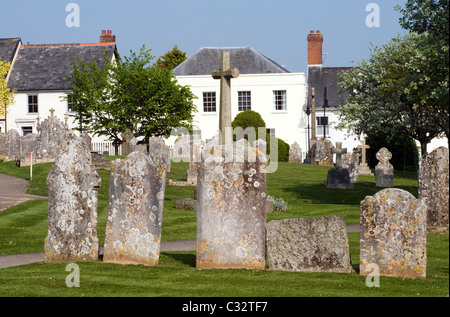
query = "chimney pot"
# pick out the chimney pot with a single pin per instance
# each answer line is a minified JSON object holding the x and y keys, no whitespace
{"x":315,"y":42}
{"x":109,"y":32}
{"x":107,"y":37}
{"x":103,"y":31}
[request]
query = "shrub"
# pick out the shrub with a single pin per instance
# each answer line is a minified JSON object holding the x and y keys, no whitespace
{"x":248,"y":118}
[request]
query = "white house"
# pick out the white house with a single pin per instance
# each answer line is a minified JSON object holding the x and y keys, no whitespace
{"x":262,"y":86}
{"x":39,"y":77}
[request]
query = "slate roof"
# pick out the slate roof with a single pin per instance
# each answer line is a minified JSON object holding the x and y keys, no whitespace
{"x":321,"y":77}
{"x":8,"y":48}
{"x":246,"y":59}
{"x":45,"y":67}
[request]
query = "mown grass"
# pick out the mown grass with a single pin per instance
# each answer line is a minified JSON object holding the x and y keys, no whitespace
{"x":23,"y":229}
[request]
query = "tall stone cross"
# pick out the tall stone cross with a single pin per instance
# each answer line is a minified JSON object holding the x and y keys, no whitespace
{"x":225,"y":73}
{"x":363,"y":148}
{"x":338,"y":150}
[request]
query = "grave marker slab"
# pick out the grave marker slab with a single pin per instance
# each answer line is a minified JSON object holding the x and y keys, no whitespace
{"x":393,"y":234}
{"x":72,"y":206}
{"x":434,"y":189}
{"x":231,"y":210}
{"x":136,"y":201}
{"x":384,"y":171}
{"x":308,"y":245}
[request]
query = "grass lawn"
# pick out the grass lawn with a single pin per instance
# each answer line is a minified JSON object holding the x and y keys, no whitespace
{"x":23,"y":229}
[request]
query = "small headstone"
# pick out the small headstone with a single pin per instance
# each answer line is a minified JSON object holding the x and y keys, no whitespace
{"x":308,"y":245}
{"x":195,"y":150}
{"x":323,"y":152}
{"x":159,"y":152}
{"x":339,"y":177}
{"x":72,"y":206}
{"x":127,"y":136}
{"x":363,"y":167}
{"x":136,"y":201}
{"x":53,"y":138}
{"x":295,"y":153}
{"x":393,"y":234}
{"x":231,"y":211}
{"x":350,"y":161}
{"x":434,"y":189}
{"x":384,"y":171}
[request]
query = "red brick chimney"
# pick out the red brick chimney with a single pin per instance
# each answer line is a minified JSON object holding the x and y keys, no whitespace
{"x":315,"y":41}
{"x":107,"y":37}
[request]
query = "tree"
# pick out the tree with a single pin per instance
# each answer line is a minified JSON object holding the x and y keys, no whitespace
{"x":374,"y":88}
{"x":6,"y":94}
{"x":171,"y":59}
{"x":428,"y":71}
{"x":130,"y":93}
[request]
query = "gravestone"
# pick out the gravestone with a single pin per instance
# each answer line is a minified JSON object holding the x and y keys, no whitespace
{"x":195,"y":149}
{"x":136,"y":201}
{"x":308,"y":245}
{"x":73,"y":183}
{"x":225,"y":73}
{"x":159,"y":152}
{"x":350,"y":161}
{"x":339,"y":177}
{"x":52,"y":138}
{"x":363,"y":167}
{"x":231,"y":210}
{"x":434,"y":189}
{"x":393,"y":234}
{"x":127,"y":136}
{"x":384,"y":171}
{"x":295,"y":153}
{"x":323,"y":152}
{"x":11,"y":145}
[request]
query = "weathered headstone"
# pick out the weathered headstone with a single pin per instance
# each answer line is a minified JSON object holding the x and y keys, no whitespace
{"x":225,"y":73}
{"x":322,"y":152}
{"x":195,"y":150}
{"x":11,"y":144}
{"x":231,"y":210}
{"x":136,"y":201}
{"x":350,"y":161}
{"x":295,"y":153}
{"x":308,"y":245}
{"x":72,"y":206}
{"x":127,"y":136}
{"x":52,"y":138}
{"x":434,"y":189}
{"x":363,"y":167}
{"x":384,"y":171}
{"x":393,"y":235}
{"x":339,"y":177}
{"x":159,"y":152}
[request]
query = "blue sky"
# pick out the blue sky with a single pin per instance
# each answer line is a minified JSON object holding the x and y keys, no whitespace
{"x":277,"y":29}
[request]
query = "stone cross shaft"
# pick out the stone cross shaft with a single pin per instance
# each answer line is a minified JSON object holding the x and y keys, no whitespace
{"x":363,"y":148}
{"x":338,"y":150}
{"x":225,"y":73}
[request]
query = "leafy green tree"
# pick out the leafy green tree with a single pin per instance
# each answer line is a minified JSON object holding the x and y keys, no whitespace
{"x":6,"y":94}
{"x":172,"y":58}
{"x":130,"y":93}
{"x":374,"y":90}
{"x":428,"y":71}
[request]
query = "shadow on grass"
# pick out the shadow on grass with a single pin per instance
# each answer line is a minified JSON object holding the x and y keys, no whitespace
{"x":319,"y":194}
{"x":188,"y":259}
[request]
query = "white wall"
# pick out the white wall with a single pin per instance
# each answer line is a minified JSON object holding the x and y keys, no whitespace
{"x":289,"y":125}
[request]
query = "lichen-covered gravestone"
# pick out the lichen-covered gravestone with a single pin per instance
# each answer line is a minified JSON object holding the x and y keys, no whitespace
{"x":308,"y":245}
{"x":323,"y":152}
{"x":295,"y":153}
{"x":231,"y":209}
{"x":384,"y":171}
{"x":434,"y":189}
{"x":72,"y":206}
{"x":136,"y":202}
{"x":339,"y":177}
{"x":393,"y":234}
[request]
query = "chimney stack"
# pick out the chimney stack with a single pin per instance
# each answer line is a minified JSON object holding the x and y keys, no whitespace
{"x":107,"y":37}
{"x":315,"y":41}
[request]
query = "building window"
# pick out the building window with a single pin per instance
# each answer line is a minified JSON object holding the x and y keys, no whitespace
{"x":27,"y":130}
{"x":70,"y":103}
{"x":244,"y":100}
{"x":209,"y":102}
{"x":321,"y":122}
{"x":32,"y":103}
{"x":279,"y":99}
{"x":271,"y":132}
